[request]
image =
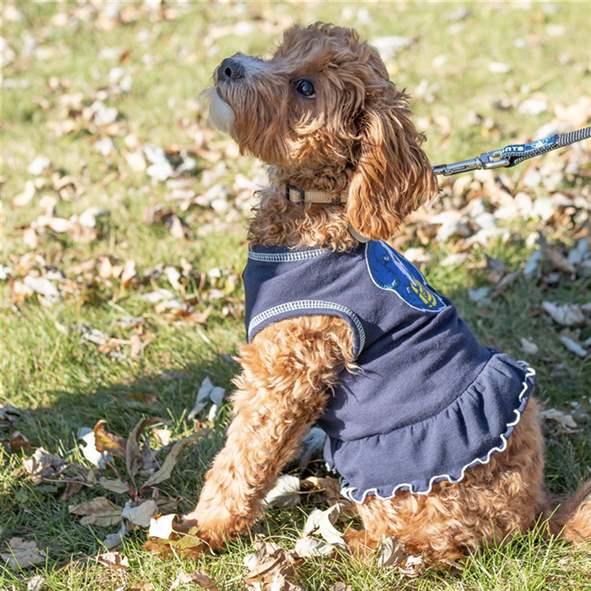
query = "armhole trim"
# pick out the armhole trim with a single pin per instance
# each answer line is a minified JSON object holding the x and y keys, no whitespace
{"x":293,"y":256}
{"x":310,"y":307}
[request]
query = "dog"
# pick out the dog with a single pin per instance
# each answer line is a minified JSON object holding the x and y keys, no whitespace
{"x":437,"y":438}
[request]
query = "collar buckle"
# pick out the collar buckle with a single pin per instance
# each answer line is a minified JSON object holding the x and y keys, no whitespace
{"x":301,"y":193}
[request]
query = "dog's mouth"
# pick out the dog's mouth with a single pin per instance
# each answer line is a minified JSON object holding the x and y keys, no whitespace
{"x":221,"y":114}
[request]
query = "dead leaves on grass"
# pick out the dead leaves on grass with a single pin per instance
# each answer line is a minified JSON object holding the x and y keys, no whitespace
{"x":144,"y":469}
{"x":271,"y":568}
{"x":21,"y":553}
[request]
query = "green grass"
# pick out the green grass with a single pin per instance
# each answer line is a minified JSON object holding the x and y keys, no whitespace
{"x":62,"y":383}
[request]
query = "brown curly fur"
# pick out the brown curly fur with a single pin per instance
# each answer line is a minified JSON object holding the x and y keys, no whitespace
{"x":354,"y":139}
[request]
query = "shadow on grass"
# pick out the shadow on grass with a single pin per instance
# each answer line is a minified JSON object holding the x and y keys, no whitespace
{"x":36,"y":513}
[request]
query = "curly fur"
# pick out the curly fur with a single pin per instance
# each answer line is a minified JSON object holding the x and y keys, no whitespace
{"x":354,"y":139}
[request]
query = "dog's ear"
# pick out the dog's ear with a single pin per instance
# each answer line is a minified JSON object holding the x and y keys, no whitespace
{"x":393,"y":175}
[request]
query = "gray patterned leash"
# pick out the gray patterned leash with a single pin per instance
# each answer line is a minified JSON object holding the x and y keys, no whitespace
{"x":514,"y":153}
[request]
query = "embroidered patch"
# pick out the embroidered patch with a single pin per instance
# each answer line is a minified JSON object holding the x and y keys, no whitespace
{"x":389,"y":270}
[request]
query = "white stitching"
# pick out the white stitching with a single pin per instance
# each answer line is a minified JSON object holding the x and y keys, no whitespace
{"x":286,"y":257}
{"x":349,"y":490}
{"x":308,"y":305}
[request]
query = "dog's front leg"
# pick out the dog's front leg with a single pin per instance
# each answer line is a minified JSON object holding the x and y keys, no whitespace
{"x":281,"y":391}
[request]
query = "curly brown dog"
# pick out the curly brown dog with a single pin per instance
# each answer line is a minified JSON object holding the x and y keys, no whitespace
{"x":346,"y":168}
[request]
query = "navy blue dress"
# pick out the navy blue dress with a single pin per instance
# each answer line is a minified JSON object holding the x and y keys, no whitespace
{"x":428,"y":401}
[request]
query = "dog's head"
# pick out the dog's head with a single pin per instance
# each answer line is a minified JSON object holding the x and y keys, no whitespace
{"x":324,"y":102}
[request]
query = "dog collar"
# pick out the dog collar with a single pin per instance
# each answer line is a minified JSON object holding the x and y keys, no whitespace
{"x":296,"y":195}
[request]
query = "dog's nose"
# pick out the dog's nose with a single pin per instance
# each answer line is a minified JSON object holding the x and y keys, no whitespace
{"x":230,"y":69}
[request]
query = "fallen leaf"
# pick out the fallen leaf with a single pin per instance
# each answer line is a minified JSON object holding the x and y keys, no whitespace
{"x":187,"y":544}
{"x":132,"y":450}
{"x":140,"y":514}
{"x":574,"y":346}
{"x":114,"y":560}
{"x":413,"y":566}
{"x":285,"y":492}
{"x":114,"y":485}
{"x":479,"y":295}
{"x":565,"y":315}
{"x":105,"y":441}
{"x":36,"y":583}
{"x":8,"y":414}
{"x":164,"y":472}
{"x":533,"y":265}
{"x":161,"y":527}
{"x":528,"y":346}
{"x":16,"y":441}
{"x":22,"y":553}
{"x":320,"y":523}
{"x":98,"y":511}
{"x":558,"y":260}
{"x":89,"y":451}
{"x":271,"y":568}
{"x":207,"y":391}
{"x":309,"y":547}
{"x":199,"y":579}
{"x":42,"y":465}
{"x":505,"y":282}
{"x":564,"y":420}
{"x":114,"y":540}
{"x":331,"y":487}
{"x":163,"y":435}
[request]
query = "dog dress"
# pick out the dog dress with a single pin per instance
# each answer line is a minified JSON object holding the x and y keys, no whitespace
{"x":427,"y":402}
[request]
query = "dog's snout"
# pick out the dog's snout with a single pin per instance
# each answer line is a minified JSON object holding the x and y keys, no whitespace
{"x":230,"y":69}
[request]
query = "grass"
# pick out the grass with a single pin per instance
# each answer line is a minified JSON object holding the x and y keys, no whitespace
{"x":61,"y":383}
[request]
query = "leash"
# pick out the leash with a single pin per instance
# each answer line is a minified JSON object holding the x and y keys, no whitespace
{"x":514,"y":153}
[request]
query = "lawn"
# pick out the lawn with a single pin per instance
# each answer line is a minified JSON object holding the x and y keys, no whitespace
{"x":122,"y":239}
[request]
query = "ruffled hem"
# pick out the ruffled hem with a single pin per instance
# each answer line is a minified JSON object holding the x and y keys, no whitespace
{"x":423,"y":485}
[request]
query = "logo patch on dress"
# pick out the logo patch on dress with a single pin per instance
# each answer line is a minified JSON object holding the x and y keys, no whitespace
{"x":389,"y":270}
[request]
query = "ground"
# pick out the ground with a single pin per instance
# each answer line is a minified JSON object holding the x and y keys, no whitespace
{"x":90,"y":86}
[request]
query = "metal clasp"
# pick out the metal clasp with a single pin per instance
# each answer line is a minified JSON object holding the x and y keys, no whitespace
{"x":289,"y":188}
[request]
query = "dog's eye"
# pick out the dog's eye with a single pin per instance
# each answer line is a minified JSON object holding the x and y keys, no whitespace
{"x":305,"y":87}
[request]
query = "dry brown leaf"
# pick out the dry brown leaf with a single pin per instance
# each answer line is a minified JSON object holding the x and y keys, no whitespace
{"x":132,"y":450}
{"x":114,"y":560}
{"x":188,"y":544}
{"x":42,"y":465}
{"x":505,"y":282}
{"x":271,"y":568}
{"x":114,"y":485}
{"x":170,"y":461}
{"x":99,"y":511}
{"x":558,"y":260}
{"x":199,"y":579}
{"x":105,"y":441}
{"x":22,"y":553}
{"x":16,"y":441}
